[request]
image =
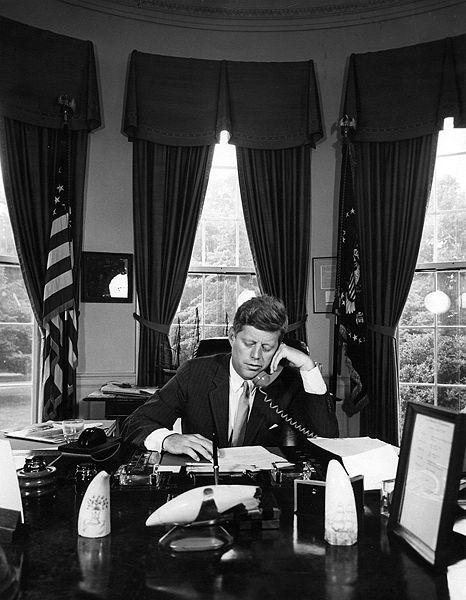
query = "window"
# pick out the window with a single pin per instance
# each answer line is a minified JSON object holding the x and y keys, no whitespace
{"x":432,"y":330}
{"x":16,"y":331}
{"x":221,"y":272}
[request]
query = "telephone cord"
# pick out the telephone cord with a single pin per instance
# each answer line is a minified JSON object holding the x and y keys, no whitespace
{"x":286,"y":417}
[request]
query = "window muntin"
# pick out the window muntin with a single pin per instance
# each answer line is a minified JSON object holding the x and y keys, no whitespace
{"x":432,"y":338}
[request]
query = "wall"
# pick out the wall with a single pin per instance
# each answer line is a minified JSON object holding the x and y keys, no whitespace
{"x":107,"y":332}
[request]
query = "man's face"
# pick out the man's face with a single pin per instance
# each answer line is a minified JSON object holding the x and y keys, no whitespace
{"x":252,"y":350}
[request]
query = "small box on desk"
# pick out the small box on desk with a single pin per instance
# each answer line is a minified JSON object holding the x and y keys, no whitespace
{"x":309,"y":498}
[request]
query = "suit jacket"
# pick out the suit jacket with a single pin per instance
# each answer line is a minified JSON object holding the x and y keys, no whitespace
{"x":199,"y":395}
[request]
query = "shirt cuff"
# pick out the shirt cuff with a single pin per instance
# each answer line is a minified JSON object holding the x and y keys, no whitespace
{"x":313,"y":381}
{"x":154,"y":441}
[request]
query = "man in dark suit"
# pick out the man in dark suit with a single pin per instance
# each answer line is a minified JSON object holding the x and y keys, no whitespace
{"x":225,"y":393}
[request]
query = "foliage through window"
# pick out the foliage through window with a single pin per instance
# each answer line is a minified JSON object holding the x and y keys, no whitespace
{"x":16,"y":331}
{"x":432,"y":330}
{"x":221,"y":272}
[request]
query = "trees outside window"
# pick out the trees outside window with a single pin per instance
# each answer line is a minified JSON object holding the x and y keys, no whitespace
{"x":432,"y":330}
{"x":221,"y":272}
{"x":16,"y":331}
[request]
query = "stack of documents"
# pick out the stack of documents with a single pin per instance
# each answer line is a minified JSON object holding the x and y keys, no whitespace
{"x":374,"y":459}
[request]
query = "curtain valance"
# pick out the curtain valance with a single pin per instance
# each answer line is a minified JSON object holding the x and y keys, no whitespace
{"x":187,"y":102}
{"x":407,"y":92}
{"x":38,"y":66}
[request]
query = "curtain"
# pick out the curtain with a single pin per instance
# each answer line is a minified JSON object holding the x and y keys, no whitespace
{"x":45,"y":80}
{"x":395,"y":104}
{"x":28,"y":149}
{"x":169,"y":188}
{"x":392,"y":187}
{"x":188,"y":102}
{"x":275,"y":191}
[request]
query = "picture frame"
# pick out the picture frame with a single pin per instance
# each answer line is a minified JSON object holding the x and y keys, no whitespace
{"x":324,"y":271}
{"x":106,"y":277}
{"x":430,"y":467}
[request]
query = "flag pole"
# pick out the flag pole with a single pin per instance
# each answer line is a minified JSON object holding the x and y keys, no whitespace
{"x":347,"y":126}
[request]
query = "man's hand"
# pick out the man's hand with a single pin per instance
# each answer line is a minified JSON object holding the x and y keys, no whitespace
{"x":194,"y":445}
{"x":296,"y":358}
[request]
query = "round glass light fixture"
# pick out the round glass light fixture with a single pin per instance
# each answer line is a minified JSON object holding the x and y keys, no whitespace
{"x":437,"y":302}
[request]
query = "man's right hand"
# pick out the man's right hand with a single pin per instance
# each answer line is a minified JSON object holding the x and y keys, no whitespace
{"x":194,"y":445}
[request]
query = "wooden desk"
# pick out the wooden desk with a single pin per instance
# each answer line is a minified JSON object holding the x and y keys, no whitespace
{"x":278,"y":564}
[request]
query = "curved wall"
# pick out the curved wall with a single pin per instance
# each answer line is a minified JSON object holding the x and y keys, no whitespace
{"x":108,"y":332}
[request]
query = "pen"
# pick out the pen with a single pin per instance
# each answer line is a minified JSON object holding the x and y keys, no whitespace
{"x":215,"y":457}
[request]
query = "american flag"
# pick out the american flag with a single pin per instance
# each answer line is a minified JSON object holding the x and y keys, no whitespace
{"x":59,"y":311}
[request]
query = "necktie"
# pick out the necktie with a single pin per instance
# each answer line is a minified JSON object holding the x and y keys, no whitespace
{"x":241,"y":420}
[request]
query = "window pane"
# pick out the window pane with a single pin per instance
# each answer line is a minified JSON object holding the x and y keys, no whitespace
{"x":15,"y":349}
{"x":416,"y":347}
{"x":220,"y":244}
{"x":415,"y":311}
{"x":451,"y":355}
{"x":7,"y":244}
{"x":451,"y":235}
{"x":450,"y":397}
{"x":413,"y":394}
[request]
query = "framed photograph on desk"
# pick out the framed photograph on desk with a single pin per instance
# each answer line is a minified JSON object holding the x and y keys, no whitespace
{"x":427,"y":482}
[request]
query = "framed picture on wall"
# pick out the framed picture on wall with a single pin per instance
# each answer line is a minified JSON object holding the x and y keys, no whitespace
{"x":106,"y":277}
{"x":430,"y":467}
{"x":324,"y":277}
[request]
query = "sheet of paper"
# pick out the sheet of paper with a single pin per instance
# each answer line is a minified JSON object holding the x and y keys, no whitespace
{"x":456,"y":576}
{"x":374,"y":459}
{"x":375,"y":465}
{"x":10,"y":495}
{"x":348,"y":446}
{"x":241,"y":458}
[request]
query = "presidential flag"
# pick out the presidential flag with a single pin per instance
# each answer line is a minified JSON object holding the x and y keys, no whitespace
{"x":59,"y":311}
{"x":350,"y":330}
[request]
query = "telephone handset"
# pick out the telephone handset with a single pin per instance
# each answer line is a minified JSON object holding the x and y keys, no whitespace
{"x":264,"y":379}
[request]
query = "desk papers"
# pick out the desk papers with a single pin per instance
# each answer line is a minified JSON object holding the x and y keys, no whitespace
{"x":374,"y":459}
{"x":240,"y":459}
{"x":50,"y":432}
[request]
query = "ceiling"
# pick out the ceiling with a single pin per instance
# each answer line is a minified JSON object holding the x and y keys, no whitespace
{"x":264,"y":14}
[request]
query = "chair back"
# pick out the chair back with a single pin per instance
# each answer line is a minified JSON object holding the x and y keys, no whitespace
{"x":209,"y":346}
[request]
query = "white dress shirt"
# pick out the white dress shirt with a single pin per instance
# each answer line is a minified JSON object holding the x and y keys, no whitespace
{"x":313,"y":383}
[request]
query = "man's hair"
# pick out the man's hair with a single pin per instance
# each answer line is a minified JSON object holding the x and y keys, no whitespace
{"x":262,"y":312}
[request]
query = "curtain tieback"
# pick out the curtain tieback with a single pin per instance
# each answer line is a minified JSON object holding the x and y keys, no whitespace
{"x":383,"y":330}
{"x":297,"y":324}
{"x":160,"y":327}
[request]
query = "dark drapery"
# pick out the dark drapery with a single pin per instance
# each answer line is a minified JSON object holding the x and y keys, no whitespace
{"x":407,"y":92}
{"x":28,"y":149}
{"x":275,"y":191}
{"x":188,"y":102}
{"x":176,"y":103}
{"x":398,"y":100}
{"x":169,"y":188}
{"x":392,"y":186}
{"x":37,"y":68}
